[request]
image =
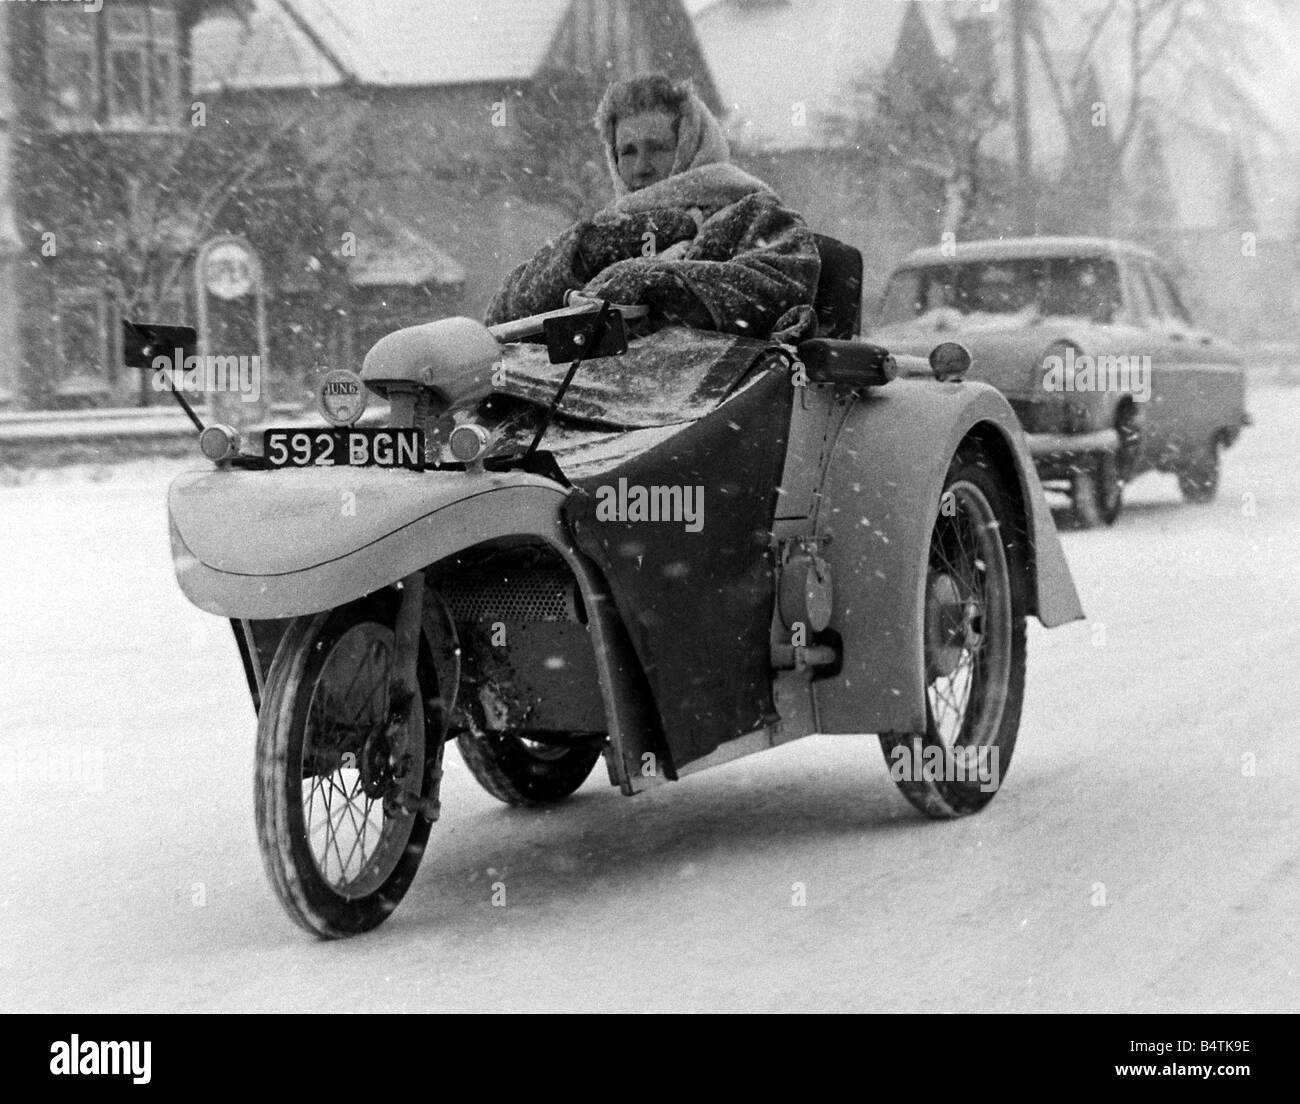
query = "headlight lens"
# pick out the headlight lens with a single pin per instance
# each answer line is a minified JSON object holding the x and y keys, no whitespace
{"x":468,"y":442}
{"x":219,"y":442}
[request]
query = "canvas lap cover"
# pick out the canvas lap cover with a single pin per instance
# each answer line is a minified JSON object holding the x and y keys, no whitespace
{"x":675,"y":451}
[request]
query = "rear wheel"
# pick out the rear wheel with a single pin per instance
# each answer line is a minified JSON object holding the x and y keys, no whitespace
{"x":1096,"y":491}
{"x":1198,"y":479}
{"x":338,"y":782}
{"x":522,"y":770}
{"x":974,"y":648}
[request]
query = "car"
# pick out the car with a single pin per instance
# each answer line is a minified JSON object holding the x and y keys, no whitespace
{"x":750,"y":544}
{"x":1090,"y":341}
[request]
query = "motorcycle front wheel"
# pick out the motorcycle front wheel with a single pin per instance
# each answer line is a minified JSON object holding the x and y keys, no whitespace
{"x":338,"y":785}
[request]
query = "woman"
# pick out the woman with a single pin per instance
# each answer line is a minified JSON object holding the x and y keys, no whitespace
{"x":698,"y":240}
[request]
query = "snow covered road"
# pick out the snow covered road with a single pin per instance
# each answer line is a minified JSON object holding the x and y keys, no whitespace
{"x":1144,"y":854}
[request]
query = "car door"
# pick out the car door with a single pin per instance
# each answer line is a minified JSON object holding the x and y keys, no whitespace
{"x":1199,"y":382}
{"x":1172,"y":396}
{"x":1149,"y":337}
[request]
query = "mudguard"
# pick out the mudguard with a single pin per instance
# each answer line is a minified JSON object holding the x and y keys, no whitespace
{"x":252,"y":545}
{"x":259,"y":545}
{"x":881,"y":496}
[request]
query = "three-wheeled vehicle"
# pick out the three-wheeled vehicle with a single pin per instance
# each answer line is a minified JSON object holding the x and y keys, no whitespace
{"x":725,"y":545}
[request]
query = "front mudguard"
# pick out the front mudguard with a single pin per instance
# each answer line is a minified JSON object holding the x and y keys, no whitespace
{"x":258,"y":546}
{"x":273,"y":544}
{"x":881,"y":496}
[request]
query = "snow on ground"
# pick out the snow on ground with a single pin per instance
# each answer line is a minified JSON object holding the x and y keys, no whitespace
{"x":1143,"y":855}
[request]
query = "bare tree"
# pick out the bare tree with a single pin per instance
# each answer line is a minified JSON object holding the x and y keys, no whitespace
{"x":931,"y":115}
{"x":1212,"y":45}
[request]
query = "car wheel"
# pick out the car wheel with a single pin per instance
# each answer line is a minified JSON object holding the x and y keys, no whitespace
{"x":529,"y":770}
{"x":1129,"y":428}
{"x":974,"y":648}
{"x":1199,"y":479}
{"x":1096,"y":491}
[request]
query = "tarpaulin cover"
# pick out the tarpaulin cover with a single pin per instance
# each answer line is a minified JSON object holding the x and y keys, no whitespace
{"x":671,"y":376}
{"x":695,"y":592}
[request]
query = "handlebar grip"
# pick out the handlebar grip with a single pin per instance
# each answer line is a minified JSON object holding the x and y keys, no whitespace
{"x":531,"y":326}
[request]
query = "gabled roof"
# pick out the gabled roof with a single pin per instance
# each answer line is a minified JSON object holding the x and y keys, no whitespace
{"x":393,"y":43}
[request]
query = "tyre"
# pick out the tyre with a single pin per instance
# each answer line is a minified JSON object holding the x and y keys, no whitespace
{"x":1096,"y":491}
{"x":974,"y":648}
{"x":1128,"y":425}
{"x":522,"y":771}
{"x":1199,"y":478}
{"x":337,"y":794}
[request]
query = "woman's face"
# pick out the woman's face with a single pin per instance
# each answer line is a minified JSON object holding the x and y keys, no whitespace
{"x":644,"y":147}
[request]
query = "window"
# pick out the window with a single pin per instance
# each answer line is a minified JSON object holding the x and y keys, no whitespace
{"x":85,"y":326}
{"x":72,"y":73}
{"x":1084,"y":287}
{"x":1168,"y":304}
{"x":117,"y":69}
{"x":1144,"y":304}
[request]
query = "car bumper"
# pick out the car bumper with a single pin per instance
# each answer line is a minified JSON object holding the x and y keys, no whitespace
{"x":1072,"y":444}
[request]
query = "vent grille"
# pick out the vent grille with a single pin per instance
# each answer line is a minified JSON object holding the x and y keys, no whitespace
{"x":530,"y":595}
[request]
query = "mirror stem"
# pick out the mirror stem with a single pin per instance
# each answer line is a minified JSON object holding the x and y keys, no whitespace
{"x":594,"y":334}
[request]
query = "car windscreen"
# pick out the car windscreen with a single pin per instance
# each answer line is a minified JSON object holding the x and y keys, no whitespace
{"x":1086,"y":287}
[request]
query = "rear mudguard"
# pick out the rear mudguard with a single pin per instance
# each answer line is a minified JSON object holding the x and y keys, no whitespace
{"x":881,"y":496}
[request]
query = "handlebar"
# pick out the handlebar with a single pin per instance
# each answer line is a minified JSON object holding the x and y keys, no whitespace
{"x":531,"y":326}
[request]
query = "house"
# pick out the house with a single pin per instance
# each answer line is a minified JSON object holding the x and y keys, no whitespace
{"x":387,"y":161}
{"x":86,"y":93}
{"x":457,"y":135}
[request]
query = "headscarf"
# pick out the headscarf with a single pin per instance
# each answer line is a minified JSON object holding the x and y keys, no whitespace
{"x":701,"y":145}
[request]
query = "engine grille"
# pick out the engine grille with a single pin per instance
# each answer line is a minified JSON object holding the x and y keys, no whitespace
{"x":526,"y":595}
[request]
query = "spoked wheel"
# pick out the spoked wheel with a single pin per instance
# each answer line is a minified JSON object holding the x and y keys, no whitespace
{"x":1096,"y":491}
{"x":339,"y":784}
{"x":974,"y":645}
{"x":520,"y":770}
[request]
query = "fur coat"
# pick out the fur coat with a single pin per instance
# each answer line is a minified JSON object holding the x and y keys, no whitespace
{"x":709,"y":247}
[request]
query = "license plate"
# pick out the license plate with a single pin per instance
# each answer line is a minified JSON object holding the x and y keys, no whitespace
{"x":358,"y":448}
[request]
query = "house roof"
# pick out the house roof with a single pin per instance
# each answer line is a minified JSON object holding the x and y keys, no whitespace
{"x":393,"y":43}
{"x":390,"y":252}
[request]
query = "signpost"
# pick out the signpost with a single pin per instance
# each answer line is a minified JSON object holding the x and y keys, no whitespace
{"x":231,"y":299}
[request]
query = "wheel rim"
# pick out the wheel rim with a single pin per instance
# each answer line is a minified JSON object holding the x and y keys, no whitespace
{"x":967,"y":621}
{"x":348,"y":765}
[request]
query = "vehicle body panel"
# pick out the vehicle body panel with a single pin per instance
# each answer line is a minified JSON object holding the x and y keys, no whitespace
{"x":882,"y":495}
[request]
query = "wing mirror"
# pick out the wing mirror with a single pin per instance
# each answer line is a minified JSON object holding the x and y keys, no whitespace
{"x":570,"y":336}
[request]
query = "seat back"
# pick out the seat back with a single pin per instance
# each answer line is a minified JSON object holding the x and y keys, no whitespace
{"x":839,"y":289}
